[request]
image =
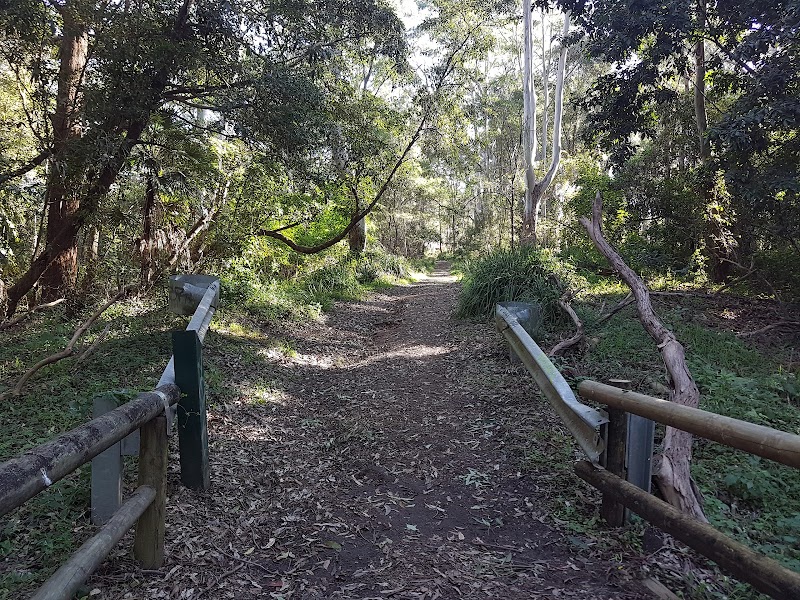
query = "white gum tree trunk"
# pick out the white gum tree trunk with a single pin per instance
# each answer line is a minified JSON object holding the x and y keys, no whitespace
{"x":535,"y":190}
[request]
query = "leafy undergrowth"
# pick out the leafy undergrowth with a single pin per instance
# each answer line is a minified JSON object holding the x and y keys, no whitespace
{"x":304,"y":296}
{"x":517,"y":275}
{"x":753,"y":500}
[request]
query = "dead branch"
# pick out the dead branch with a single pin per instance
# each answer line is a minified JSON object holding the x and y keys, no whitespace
{"x":627,"y":301}
{"x":11,"y":322}
{"x":672,"y":474}
{"x":85,"y":354}
{"x":69,"y":349}
{"x":750,"y":271}
{"x":565,"y":345}
{"x":779,"y":324}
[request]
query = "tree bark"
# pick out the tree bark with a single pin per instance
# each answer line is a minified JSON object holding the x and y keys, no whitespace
{"x":146,"y":241}
{"x":672,"y":473}
{"x":65,"y":173}
{"x":535,"y":191}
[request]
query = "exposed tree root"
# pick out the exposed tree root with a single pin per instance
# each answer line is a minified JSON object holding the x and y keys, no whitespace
{"x":672,"y":469}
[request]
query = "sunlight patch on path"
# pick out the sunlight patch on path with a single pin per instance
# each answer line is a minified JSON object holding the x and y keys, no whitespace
{"x":415,"y":351}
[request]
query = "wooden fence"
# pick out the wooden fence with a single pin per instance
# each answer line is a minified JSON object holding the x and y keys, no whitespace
{"x":180,"y":391}
{"x":607,"y":471}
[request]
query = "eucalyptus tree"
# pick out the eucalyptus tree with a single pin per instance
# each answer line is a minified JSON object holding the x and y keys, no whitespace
{"x":112,"y":66}
{"x":535,"y":190}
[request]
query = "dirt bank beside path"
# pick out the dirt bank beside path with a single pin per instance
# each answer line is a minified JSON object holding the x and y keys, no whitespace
{"x":385,"y":453}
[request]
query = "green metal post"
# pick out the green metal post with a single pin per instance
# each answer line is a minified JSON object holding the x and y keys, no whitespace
{"x":191,"y":413}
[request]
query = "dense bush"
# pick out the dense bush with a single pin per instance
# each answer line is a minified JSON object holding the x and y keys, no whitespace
{"x":343,"y":276}
{"x":518,"y":275}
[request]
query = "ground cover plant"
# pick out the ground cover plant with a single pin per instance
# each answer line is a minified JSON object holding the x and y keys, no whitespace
{"x":754,"y":379}
{"x":525,"y":274}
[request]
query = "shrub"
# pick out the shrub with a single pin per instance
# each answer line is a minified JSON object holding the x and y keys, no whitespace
{"x":374,"y":264}
{"x":528,"y":275}
{"x":334,"y":280}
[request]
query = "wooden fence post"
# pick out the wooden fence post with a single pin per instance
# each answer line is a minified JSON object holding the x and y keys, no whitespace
{"x":616,"y":451}
{"x":148,"y":545}
{"x":191,"y":414}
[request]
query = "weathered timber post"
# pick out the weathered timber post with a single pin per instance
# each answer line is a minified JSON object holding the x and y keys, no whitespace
{"x":616,"y":435}
{"x":191,"y":415}
{"x":148,"y":546}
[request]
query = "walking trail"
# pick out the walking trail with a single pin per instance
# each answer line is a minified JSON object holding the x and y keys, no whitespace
{"x":395,"y":453}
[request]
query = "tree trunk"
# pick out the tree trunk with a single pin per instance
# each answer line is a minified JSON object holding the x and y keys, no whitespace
{"x":89,"y":257}
{"x":535,"y":191}
{"x":528,"y":233}
{"x":718,"y":237}
{"x":672,"y":472}
{"x":357,"y":237}
{"x":146,"y":241}
{"x":545,"y":94}
{"x":66,"y":172}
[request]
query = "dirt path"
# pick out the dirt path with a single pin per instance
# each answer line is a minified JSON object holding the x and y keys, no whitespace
{"x":384,"y":458}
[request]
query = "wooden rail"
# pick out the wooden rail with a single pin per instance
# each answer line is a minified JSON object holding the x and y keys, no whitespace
{"x":766,"y":442}
{"x":37,"y":469}
{"x":68,"y":579}
{"x":763,"y":573}
{"x":32,"y":472}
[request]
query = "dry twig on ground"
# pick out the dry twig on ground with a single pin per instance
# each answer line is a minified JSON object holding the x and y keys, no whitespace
{"x":627,"y":301}
{"x":779,"y":324}
{"x":564,"y":345}
{"x":11,"y":322}
{"x":98,"y":340}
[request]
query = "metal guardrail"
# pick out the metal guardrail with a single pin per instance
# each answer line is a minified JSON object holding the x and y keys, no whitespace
{"x":583,"y":421}
{"x":107,"y":467}
{"x":180,"y":388}
{"x":763,"y":573}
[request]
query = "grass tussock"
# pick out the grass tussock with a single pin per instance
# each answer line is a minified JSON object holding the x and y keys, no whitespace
{"x":527,"y":275}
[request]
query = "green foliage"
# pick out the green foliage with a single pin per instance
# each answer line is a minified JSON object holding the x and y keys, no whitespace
{"x":335,"y":280}
{"x":755,"y":501}
{"x":522,"y":275}
{"x":346,"y":276}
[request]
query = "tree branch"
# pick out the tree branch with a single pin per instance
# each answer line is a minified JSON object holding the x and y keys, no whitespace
{"x":28,"y":166}
{"x":673,"y":473}
{"x":11,"y":322}
{"x":69,"y":349}
{"x":275,"y":233}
